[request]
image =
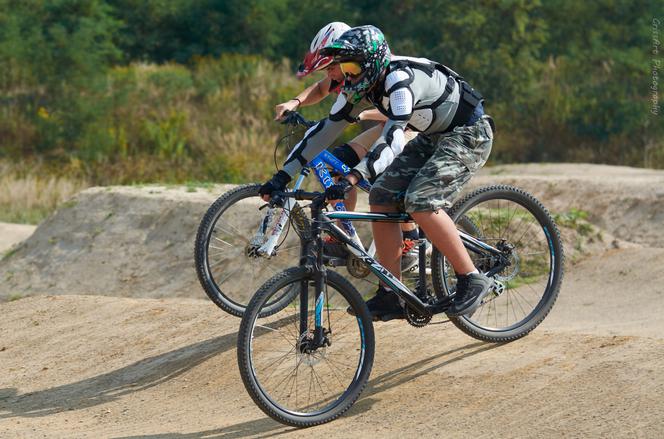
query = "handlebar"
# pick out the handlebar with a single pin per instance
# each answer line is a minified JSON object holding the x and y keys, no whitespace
{"x":278,"y":197}
{"x":295,"y":118}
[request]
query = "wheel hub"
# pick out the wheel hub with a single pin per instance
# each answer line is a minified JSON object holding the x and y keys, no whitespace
{"x":514,"y":263}
{"x":251,"y":251}
{"x":308,"y":353}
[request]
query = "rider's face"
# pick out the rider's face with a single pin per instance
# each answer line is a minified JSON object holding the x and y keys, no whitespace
{"x":334,"y":72}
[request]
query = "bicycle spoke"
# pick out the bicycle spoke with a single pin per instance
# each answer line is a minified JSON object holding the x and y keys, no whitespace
{"x":321,"y":374}
{"x":232,"y":232}
{"x":513,"y":222}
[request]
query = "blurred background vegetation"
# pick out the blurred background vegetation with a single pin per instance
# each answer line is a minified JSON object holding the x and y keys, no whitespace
{"x":134,"y":91}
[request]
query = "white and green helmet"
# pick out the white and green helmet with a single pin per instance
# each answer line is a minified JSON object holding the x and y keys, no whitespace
{"x":365,"y":45}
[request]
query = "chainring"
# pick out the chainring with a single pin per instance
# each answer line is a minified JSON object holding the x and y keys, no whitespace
{"x":416,"y":319}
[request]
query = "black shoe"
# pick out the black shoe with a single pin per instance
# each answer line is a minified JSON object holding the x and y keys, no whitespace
{"x":470,"y":290}
{"x":383,"y":306}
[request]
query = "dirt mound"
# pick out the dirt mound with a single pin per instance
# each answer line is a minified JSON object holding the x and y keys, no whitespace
{"x":92,"y":366}
{"x":113,"y":241}
{"x":81,"y":366}
{"x":133,"y":241}
{"x":627,"y":203}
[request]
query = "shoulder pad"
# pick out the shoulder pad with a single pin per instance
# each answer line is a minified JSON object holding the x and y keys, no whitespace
{"x":400,"y":76}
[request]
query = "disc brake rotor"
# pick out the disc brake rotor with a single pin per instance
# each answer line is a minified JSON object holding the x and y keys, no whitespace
{"x":511,"y":271}
{"x":356,"y":267}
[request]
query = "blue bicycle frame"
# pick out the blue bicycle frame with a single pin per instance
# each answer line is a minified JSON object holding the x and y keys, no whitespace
{"x":319,"y":165}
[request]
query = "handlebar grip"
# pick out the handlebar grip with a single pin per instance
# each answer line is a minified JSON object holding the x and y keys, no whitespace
{"x":295,"y":118}
{"x":298,"y":195}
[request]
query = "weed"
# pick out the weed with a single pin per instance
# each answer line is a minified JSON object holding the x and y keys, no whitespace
{"x":575,"y":219}
{"x":9,"y":253}
{"x":69,"y":204}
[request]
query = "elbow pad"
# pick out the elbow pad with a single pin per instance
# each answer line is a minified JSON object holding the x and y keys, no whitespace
{"x":341,"y":110}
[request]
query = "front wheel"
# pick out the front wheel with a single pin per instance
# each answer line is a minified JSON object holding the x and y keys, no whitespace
{"x":527,"y":274}
{"x":291,"y":376}
{"x":228,"y":264}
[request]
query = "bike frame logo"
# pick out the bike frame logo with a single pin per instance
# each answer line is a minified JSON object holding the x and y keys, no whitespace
{"x":323,"y":174}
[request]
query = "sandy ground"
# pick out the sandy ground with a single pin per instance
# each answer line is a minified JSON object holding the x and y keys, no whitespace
{"x":146,"y":367}
{"x":11,"y":234}
{"x":92,"y":366}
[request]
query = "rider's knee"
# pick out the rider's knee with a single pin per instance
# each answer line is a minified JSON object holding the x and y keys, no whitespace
{"x":346,"y":153}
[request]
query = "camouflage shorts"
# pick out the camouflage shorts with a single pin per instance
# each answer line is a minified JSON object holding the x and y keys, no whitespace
{"x":432,"y":169}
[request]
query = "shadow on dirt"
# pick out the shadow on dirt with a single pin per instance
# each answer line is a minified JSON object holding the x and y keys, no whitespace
{"x":111,"y":386}
{"x":265,"y":427}
{"x":108,"y":387}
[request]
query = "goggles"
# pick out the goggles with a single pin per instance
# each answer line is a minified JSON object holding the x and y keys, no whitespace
{"x":350,"y":68}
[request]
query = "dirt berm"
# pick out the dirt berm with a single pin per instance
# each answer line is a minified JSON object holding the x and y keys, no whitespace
{"x":162,"y":363}
{"x":138,"y":241}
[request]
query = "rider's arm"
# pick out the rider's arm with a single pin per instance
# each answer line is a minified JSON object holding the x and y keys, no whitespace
{"x":309,"y":96}
{"x":321,"y":135}
{"x":391,"y":141}
{"x":372,"y":114}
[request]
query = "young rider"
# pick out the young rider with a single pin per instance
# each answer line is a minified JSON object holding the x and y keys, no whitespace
{"x":420,"y":177}
{"x":352,"y":152}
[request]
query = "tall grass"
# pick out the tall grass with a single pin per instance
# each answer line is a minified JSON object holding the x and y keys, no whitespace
{"x":30,"y":197}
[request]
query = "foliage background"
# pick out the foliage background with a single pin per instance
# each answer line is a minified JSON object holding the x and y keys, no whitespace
{"x":127,"y":91}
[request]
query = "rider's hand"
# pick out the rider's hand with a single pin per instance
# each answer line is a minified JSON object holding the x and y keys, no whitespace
{"x":338,"y":191}
{"x":280,"y":109}
{"x":278,"y":182}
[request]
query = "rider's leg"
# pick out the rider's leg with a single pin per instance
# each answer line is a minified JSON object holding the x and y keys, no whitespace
{"x":409,"y":227}
{"x":455,"y":157}
{"x":387,"y":196}
{"x":388,"y":247}
{"x":442,"y":232}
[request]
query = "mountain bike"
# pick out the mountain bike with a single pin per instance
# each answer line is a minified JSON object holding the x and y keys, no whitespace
{"x":308,"y":362}
{"x":240,"y":237}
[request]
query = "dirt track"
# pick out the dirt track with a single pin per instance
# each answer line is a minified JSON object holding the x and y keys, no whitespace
{"x":92,"y":366}
{"x":180,"y":379}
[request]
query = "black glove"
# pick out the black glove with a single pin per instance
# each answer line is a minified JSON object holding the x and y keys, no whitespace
{"x":278,"y":182}
{"x":338,"y":191}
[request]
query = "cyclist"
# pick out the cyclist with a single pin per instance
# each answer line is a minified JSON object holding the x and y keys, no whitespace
{"x":421,"y":177}
{"x":352,"y":152}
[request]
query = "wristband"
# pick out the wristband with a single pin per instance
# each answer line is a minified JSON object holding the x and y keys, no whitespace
{"x":299,"y":102}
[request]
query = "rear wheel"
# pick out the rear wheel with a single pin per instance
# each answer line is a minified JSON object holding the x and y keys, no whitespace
{"x":528,"y":274}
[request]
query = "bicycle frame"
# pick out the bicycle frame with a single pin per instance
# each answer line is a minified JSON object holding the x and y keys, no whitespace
{"x":322,"y":221}
{"x":320,"y":167}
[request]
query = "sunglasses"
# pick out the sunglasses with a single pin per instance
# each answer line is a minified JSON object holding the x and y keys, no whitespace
{"x":350,"y":68}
